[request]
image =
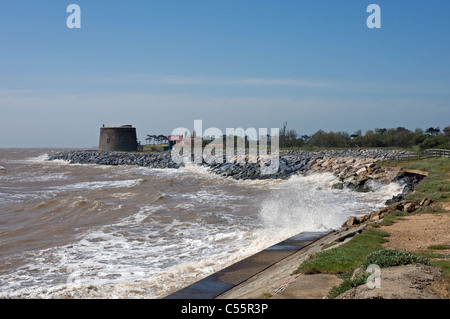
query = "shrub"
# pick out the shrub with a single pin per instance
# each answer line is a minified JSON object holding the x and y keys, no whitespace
{"x":347,"y":284}
{"x":393,"y":257}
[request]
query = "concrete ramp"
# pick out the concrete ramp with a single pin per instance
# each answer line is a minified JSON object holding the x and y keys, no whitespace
{"x":231,"y":276}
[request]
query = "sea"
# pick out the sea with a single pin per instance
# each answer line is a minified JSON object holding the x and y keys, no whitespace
{"x":92,"y":231}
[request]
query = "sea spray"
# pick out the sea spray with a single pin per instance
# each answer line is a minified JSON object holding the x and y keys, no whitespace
{"x":308,"y":203}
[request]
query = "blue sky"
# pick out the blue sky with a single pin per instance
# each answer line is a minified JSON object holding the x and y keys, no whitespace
{"x":159,"y":65}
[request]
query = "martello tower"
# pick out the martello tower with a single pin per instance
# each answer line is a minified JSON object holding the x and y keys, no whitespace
{"x":121,"y":138}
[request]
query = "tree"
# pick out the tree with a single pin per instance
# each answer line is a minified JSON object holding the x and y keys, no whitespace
{"x":318,"y":139}
{"x":149,"y":138}
{"x":331,"y":139}
{"x":380,"y":131}
{"x":357,"y":133}
{"x":446,"y":131}
{"x":306,"y":138}
{"x":401,"y":130}
{"x":283,"y":133}
{"x":433,"y":131}
{"x":404,"y":139}
{"x":289,"y":137}
{"x":162,"y":139}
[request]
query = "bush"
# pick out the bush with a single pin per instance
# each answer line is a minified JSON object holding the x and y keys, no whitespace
{"x":392,"y":257}
{"x":347,"y":284}
{"x":380,"y":137}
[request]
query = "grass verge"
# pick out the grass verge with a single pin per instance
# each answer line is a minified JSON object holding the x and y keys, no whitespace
{"x":346,"y":257}
{"x":436,"y":186}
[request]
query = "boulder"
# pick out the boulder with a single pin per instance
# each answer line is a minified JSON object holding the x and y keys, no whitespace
{"x":350,"y":161}
{"x":409,"y":207}
{"x":425,"y":202}
{"x":361,"y":171}
{"x":336,"y":167}
{"x":396,"y":206}
{"x":378,"y":213}
{"x":361,"y":181}
{"x":352,"y":221}
{"x":358,"y":185}
{"x":338,"y":186}
{"x":363,"y":219}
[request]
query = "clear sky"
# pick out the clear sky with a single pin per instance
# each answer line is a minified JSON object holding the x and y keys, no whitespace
{"x":161,"y":64}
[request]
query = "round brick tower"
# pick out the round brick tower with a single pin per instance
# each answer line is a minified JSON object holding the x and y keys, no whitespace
{"x":121,"y":138}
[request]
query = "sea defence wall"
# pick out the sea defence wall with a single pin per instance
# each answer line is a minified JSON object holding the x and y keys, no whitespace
{"x":234,"y":275}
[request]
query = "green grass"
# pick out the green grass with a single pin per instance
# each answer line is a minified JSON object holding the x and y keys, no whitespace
{"x":347,"y":284}
{"x":340,"y":148}
{"x":442,"y":261}
{"x":345,"y":257}
{"x":444,"y":265}
{"x":392,"y":257}
{"x":439,"y":247}
{"x":436,"y":186}
{"x":391,"y":218}
{"x":432,"y":255}
{"x":435,"y":209}
{"x":382,"y":258}
{"x":360,"y":252}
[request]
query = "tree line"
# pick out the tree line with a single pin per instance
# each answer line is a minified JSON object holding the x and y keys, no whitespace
{"x":419,"y":139}
{"x":156,"y":139}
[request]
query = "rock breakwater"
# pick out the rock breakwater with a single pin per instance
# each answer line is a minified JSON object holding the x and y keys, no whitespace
{"x":345,"y":163}
{"x":151,"y":160}
{"x":354,"y":168}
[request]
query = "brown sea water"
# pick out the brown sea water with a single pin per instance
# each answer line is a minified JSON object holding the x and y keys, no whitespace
{"x":92,"y":231}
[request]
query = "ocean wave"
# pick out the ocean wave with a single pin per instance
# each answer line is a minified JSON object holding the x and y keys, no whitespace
{"x":307,"y":203}
{"x":43,"y":158}
{"x":100,"y":185}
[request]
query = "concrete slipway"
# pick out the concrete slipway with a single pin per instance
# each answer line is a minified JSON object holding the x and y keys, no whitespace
{"x":258,"y":273}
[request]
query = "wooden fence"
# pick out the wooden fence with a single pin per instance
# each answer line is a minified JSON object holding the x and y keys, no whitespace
{"x":428,"y":153}
{"x":437,"y":153}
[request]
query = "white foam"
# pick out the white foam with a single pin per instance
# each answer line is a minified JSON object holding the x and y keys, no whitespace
{"x":101,"y":184}
{"x":14,"y":195}
{"x":123,"y":195}
{"x":37,"y":159}
{"x":45,"y":178}
{"x":307,"y":203}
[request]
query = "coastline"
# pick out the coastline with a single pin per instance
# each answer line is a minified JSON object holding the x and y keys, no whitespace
{"x":354,"y":168}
